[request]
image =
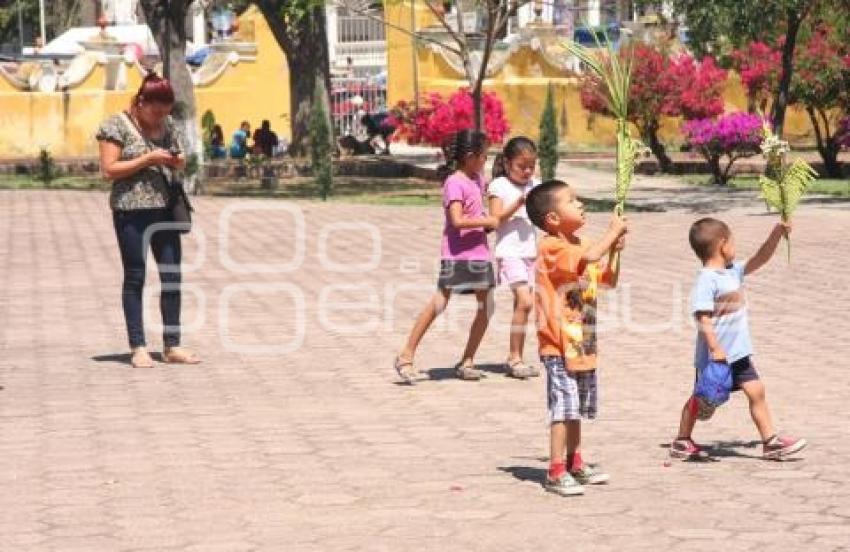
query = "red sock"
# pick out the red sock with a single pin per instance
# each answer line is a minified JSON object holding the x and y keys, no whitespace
{"x":556,"y":470}
{"x":693,"y":406}
{"x":574,"y":461}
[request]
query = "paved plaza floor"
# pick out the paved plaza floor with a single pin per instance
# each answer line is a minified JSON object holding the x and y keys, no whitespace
{"x":295,"y":435}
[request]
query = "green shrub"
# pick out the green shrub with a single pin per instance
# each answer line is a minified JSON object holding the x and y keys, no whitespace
{"x":47,"y":171}
{"x":321,"y":152}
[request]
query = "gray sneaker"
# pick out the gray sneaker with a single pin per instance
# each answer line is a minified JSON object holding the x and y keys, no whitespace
{"x":467,"y":372}
{"x":590,"y":474}
{"x":565,"y":485}
{"x":520,"y":370}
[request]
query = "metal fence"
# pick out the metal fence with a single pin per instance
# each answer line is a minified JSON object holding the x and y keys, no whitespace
{"x":361,"y":42}
{"x":356,"y":28}
{"x":351,"y":98}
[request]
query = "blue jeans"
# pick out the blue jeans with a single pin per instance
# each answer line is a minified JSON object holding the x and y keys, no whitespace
{"x":135,"y":235}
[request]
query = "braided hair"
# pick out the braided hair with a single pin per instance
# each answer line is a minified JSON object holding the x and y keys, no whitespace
{"x":463,"y":144}
{"x":515,"y":146}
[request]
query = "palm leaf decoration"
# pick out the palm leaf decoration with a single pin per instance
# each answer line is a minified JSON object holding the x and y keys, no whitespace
{"x":785,"y":187}
{"x":615,"y":74}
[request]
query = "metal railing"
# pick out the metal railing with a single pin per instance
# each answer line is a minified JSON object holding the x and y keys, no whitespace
{"x":362,"y":54}
{"x":355,"y":28}
{"x":351,"y":98}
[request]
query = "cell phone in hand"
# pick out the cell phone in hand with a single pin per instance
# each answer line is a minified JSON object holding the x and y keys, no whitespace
{"x":174,"y":151}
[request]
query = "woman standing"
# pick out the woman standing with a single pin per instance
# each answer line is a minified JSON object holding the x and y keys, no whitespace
{"x":139,"y":150}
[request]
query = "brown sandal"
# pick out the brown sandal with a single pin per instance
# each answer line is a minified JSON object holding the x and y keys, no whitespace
{"x":180,"y":356}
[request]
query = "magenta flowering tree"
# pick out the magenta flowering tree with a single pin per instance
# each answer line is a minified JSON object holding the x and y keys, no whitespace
{"x":732,"y":136}
{"x":438,"y":119}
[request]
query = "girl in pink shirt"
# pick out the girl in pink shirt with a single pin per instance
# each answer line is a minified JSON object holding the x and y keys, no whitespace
{"x":465,"y":255}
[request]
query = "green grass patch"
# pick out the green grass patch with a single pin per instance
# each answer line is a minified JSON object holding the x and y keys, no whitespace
{"x":375,"y":191}
{"x":27,"y":182}
{"x":607,"y":206}
{"x":826,"y":186}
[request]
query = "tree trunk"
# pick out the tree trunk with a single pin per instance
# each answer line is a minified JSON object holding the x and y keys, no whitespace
{"x":649,"y":133}
{"x":780,"y":102}
{"x":827,"y":143}
{"x":716,"y":171}
{"x":169,"y":31}
{"x":478,"y":107}
{"x":305,"y":44}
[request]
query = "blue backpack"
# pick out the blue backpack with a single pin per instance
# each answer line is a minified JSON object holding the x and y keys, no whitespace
{"x":714,"y":382}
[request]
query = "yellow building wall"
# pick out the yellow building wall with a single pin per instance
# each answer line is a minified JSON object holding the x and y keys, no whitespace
{"x":66,"y":122}
{"x":522,"y":83}
{"x":251,"y":90}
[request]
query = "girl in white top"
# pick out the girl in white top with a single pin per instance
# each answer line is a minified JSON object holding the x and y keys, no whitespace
{"x":516,"y":241}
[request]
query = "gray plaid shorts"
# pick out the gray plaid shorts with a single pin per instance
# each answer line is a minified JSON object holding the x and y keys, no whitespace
{"x":571,"y":395}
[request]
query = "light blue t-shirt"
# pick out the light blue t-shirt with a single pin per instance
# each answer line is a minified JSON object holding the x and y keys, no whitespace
{"x":721,"y":292}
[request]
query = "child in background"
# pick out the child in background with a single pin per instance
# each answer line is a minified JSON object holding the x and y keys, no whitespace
{"x":465,"y":254}
{"x":516,"y":242}
{"x":568,"y":277}
{"x":720,"y":307}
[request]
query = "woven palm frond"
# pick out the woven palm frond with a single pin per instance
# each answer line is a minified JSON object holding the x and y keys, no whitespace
{"x":615,"y":74}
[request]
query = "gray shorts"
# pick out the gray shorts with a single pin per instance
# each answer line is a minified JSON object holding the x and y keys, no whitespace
{"x":571,"y":395}
{"x":464,"y":277}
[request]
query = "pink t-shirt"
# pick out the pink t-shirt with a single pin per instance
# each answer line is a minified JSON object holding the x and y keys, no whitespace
{"x":467,"y":244}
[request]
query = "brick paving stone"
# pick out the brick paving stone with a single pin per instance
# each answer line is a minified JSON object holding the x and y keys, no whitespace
{"x":294,"y":435}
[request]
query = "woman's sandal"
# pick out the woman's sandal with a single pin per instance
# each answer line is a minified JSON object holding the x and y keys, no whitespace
{"x":405,"y":369}
{"x":141,"y":359}
{"x":180,"y":356}
{"x":520,"y":370}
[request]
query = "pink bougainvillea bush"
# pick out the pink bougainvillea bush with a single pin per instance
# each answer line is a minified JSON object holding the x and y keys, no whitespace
{"x":732,"y":136}
{"x":663,"y":84}
{"x":759,"y":66}
{"x":438,"y":118}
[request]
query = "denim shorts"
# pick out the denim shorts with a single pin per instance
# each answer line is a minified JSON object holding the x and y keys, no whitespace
{"x":570,"y":395}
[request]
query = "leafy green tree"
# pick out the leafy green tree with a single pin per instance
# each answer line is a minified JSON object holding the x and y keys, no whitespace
{"x":61,"y":15}
{"x":719,"y":26}
{"x":821,"y":85}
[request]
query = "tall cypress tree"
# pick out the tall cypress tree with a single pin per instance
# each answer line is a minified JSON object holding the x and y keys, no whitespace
{"x":548,"y":141}
{"x":321,"y":151}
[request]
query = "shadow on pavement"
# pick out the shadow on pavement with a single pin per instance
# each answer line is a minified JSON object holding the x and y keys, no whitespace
{"x":123,"y":358}
{"x":439,"y":374}
{"x":526,"y":473}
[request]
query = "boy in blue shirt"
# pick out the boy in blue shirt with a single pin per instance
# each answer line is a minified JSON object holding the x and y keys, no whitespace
{"x":720,"y":307}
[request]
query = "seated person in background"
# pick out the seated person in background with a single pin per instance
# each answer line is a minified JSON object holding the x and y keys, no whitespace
{"x":239,"y":145}
{"x":265,"y":140}
{"x":377,"y":126}
{"x":217,"y":150}
{"x":352,"y":146}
